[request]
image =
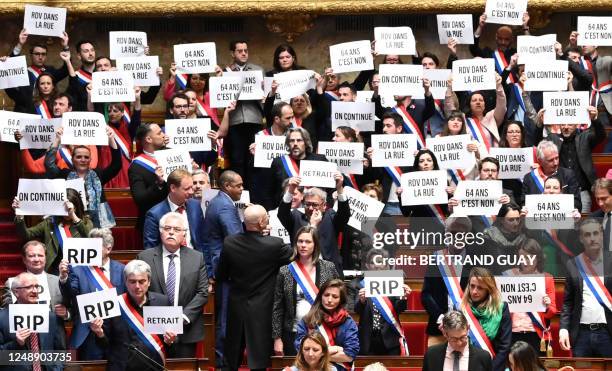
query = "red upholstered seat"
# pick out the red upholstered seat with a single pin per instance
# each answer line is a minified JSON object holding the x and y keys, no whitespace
{"x":416,"y":337}
{"x":414,"y":301}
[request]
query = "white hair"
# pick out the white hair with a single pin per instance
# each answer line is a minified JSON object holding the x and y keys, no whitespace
{"x":171,"y":215}
{"x":544,"y":146}
{"x":136,"y":267}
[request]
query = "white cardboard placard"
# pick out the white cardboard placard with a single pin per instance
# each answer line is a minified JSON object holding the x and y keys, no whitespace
{"x":402,"y":80}
{"x":84,"y":128}
{"x":359,"y":116}
{"x":595,"y":31}
{"x":352,"y":56}
{"x":508,"y":12}
{"x":318,"y":174}
{"x":394,"y":40}
{"x":514,"y":163}
{"x":474,"y":74}
{"x":172,"y":159}
{"x":98,"y":304}
{"x":189,"y":134}
{"x":424,"y":188}
{"x":44,"y":20}
{"x":143,"y":69}
{"x":195,"y":58}
{"x":158,"y":319}
{"x":267,"y":148}
{"x":456,"y":26}
{"x":83,"y":251}
{"x":393,"y":150}
{"x":546,"y":76}
{"x":38,"y":133}
{"x":41,"y":197}
{"x":567,"y":107}
{"x":522,"y":293}
{"x":14,"y":72}
{"x":224,"y":90}
{"x":10,"y":122}
{"x":31,"y":316}
{"x":127,"y":44}
{"x":451,"y":151}
{"x":348,"y":156}
{"x":112,"y":86}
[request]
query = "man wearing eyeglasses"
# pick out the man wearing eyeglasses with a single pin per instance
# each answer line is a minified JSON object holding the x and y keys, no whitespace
{"x":180,"y":274}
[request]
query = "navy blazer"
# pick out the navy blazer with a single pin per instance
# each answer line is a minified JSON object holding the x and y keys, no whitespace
{"x":571,"y":186}
{"x":195,"y":217}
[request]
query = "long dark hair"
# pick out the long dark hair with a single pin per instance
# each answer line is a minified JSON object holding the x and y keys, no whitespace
{"x":36,"y":97}
{"x":454,"y":115}
{"x":203,"y":76}
{"x":421,"y":152}
{"x":312,"y":231}
{"x":525,"y":357}
{"x":74,"y":197}
{"x":468,"y":108}
{"x":503,"y":142}
{"x":314,"y":317}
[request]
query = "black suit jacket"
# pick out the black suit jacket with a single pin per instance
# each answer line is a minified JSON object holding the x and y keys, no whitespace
{"x":434,"y":358}
{"x":390,"y":337}
{"x":567,"y":177}
{"x":145,"y":192}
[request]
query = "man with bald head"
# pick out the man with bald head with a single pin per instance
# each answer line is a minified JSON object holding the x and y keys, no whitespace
{"x":251,"y":260}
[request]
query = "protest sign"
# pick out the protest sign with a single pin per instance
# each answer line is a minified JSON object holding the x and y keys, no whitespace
{"x":384,"y":283}
{"x":126,"y":44}
{"x":251,"y":82}
{"x":143,"y":69}
{"x":41,"y":197}
{"x":276,"y":227}
{"x":514,"y":163}
{"x":393,"y":150}
{"x":189,"y":134}
{"x":34,"y":317}
{"x":207,"y":196}
{"x":424,"y":188}
{"x":224,"y":90}
{"x":267,"y":148}
{"x":364,"y":96}
{"x":241,"y":205}
{"x":394,"y":40}
{"x":294,"y":83}
{"x":172,"y":159}
{"x":112,"y":86}
{"x":38,"y":133}
{"x":10,"y":122}
{"x":84,"y":128}
{"x":98,"y":304}
{"x":78,"y":184}
{"x":570,"y":107}
{"x":267,"y":87}
{"x":159,"y":319}
{"x":44,"y":20}
{"x":478,"y":197}
{"x":359,"y":116}
{"x":14,"y":72}
{"x":195,"y":58}
{"x":456,"y":26}
{"x":318,"y":174}
{"x":474,"y":74}
{"x":546,"y":76}
{"x":549,"y":211}
{"x":536,"y":49}
{"x":352,"y":56}
{"x":451,"y":151}
{"x":83,"y":251}
{"x":522,"y":293}
{"x":438,"y":81}
{"x":364,"y":209}
{"x":348,"y":156}
{"x":595,"y":31}
{"x":401,"y":79}
{"x":508,"y":12}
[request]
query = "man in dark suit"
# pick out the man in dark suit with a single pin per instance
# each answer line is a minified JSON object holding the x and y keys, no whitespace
{"x":147,"y":183}
{"x":180,"y":274}
{"x":456,"y":354}
{"x":179,"y":200}
{"x":25,"y":288}
{"x":81,"y":280}
{"x":250,"y":261}
{"x":586,"y":320}
{"x":602,"y":192}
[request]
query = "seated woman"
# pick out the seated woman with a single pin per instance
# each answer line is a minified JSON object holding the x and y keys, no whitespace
{"x":506,"y":234}
{"x":522,"y":357}
{"x":313,"y":355}
{"x":490,"y":324}
{"x":296,"y":288}
{"x":329,"y":317}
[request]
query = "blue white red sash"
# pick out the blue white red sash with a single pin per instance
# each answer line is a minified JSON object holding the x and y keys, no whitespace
{"x":605,"y":87}
{"x":303,"y":279}
{"x":410,"y":125}
{"x":538,"y":179}
{"x":35,"y":71}
{"x":331,"y":95}
{"x":395,"y":173}
{"x":385,"y":307}
{"x":594,"y":282}
{"x":136,"y":322}
{"x":500,"y":65}
{"x":329,"y":339}
{"x":439,"y":106}
{"x":146,"y":161}
{"x":122,"y":144}
{"x":62,"y":232}
{"x":349,"y":180}
{"x":436,"y":212}
{"x":83,"y":76}
{"x":205,"y":110}
{"x":476,"y":333}
{"x":296,"y":122}
{"x":291,"y":167}
{"x":65,"y":155}
{"x":127,"y":114}
{"x":182,"y":79}
{"x":587,"y":65}
{"x":456,"y":176}
{"x":552,"y":237}
{"x":43,"y":110}
{"x":478,"y":132}
{"x":97,"y":278}
{"x":518,"y":93}
{"x":451,"y":281}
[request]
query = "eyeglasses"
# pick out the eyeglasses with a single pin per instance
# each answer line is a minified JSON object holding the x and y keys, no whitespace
{"x":185,"y":106}
{"x":312,"y":204}
{"x":38,"y":288}
{"x":458,"y":339}
{"x":168,"y":228}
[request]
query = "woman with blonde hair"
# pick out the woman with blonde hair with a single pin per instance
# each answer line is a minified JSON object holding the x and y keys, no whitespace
{"x":313,"y":355}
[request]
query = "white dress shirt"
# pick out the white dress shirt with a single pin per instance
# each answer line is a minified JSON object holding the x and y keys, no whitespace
{"x":173,"y":208}
{"x":592,"y":311}
{"x":449,"y":358}
{"x":177,"y":265}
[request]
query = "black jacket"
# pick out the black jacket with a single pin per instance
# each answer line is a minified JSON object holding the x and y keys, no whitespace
{"x":434,"y":358}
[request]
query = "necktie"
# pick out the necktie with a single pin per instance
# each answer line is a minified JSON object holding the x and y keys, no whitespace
{"x":171,"y":278}
{"x":180,"y":209}
{"x":607,"y":228}
{"x":36,"y":366}
{"x":457,"y":356}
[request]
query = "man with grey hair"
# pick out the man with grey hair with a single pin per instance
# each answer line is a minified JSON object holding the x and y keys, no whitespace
{"x":456,"y":354}
{"x":548,"y":159}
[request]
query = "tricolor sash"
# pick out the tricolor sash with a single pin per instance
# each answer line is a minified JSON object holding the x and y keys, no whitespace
{"x":291,"y":167}
{"x":538,"y":179}
{"x":594,"y":282}
{"x":146,"y":161}
{"x":587,"y":65}
{"x":553,"y":238}
{"x":395,"y":172}
{"x":456,"y":176}
{"x":43,"y":110}
{"x":127,"y":114}
{"x":136,"y":322}
{"x":436,"y":212}
{"x":83,"y":76}
{"x":98,"y":279}
{"x":501,"y":63}
{"x":303,"y":279}
{"x":476,"y":332}
{"x":451,"y":281}
{"x":439,"y":106}
{"x":349,"y":180}
{"x":329,"y":339}
{"x":605,"y":87}
{"x":296,"y":122}
{"x":65,"y":155}
{"x":35,"y":71}
{"x":205,"y":110}
{"x":331,"y":95}
{"x":518,"y":93}
{"x":385,"y":307}
{"x":410,"y":125}
{"x":122,"y":144}
{"x":182,"y":79}
{"x":62,"y":232}
{"x":478,"y":132}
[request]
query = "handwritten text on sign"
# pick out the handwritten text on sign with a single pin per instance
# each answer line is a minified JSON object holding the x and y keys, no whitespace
{"x":364,"y":209}
{"x":44,"y":20}
{"x":267,"y":148}
{"x":318,"y":174}
{"x":424,"y":188}
{"x":294,"y":83}
{"x":83,"y":251}
{"x":546,"y":76}
{"x":506,"y":11}
{"x":172,"y":159}
{"x":38,"y":133}
{"x":14,"y":72}
{"x":351,"y":56}
{"x":514,"y":163}
{"x":112,"y":86}
{"x":189,"y":134}
{"x":143,"y":69}
{"x":84,"y":128}
{"x":359,"y":116}
{"x":195,"y":58}
{"x":158,"y":320}
{"x":41,"y":197}
{"x":478,"y":197}
{"x":10,"y":122}
{"x":569,"y":107}
{"x":98,"y":304}
{"x":31,"y":316}
{"x":549,"y":211}
{"x":456,"y":26}
{"x":384,"y":283}
{"x":394,"y":40}
{"x":125,"y":44}
{"x":595,"y":31}
{"x":522,"y":293}
{"x":451,"y":151}
{"x":348,"y":156}
{"x":393,"y":150}
{"x":473,"y":74}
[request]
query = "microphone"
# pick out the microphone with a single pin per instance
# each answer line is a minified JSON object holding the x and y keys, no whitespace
{"x":145,"y":357}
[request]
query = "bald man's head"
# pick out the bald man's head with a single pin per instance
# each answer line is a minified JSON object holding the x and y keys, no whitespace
{"x":255,"y":218}
{"x":503,"y":37}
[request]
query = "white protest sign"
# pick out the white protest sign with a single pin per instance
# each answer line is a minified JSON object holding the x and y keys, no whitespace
{"x":83,"y":251}
{"x":31,"y":316}
{"x":394,"y":40}
{"x":195,"y":58}
{"x":241,"y":205}
{"x":364,"y":96}
{"x":401,"y":79}
{"x":536,"y":48}
{"x":10,"y":122}
{"x":158,"y":320}
{"x":508,"y":12}
{"x":451,"y":151}
{"x":98,"y":304}
{"x":126,"y":44}
{"x":548,"y":211}
{"x":514,"y":163}
{"x":172,"y":159}
{"x":523,"y":293}
{"x":267,"y":148}
{"x":207,"y":196}
{"x":84,"y":128}
{"x":78,"y":184}
{"x":112,"y":86}
{"x":546,"y":76}
{"x":189,"y":134}
{"x":424,"y":188}
{"x":364,"y":209}
{"x":276,"y":227}
{"x":474,"y":74}
{"x":393,"y":150}
{"x":267,"y":87}
{"x":224,"y":90}
{"x":14,"y":72}
{"x":41,"y":197}
{"x":352,"y":56}
{"x":348,"y":156}
{"x":438,"y":81}
{"x":251,"y":81}
{"x":456,"y":26}
{"x":318,"y":174}
{"x":387,"y":100}
{"x":569,"y":107}
{"x":359,"y":116}
{"x":595,"y":31}
{"x":384,"y":283}
{"x":38,"y":133}
{"x":294,"y":83}
{"x":478,"y":197}
{"x":143,"y":69}
{"x":44,"y":20}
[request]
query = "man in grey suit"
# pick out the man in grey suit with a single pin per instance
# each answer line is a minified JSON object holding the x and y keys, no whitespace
{"x":180,"y":274}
